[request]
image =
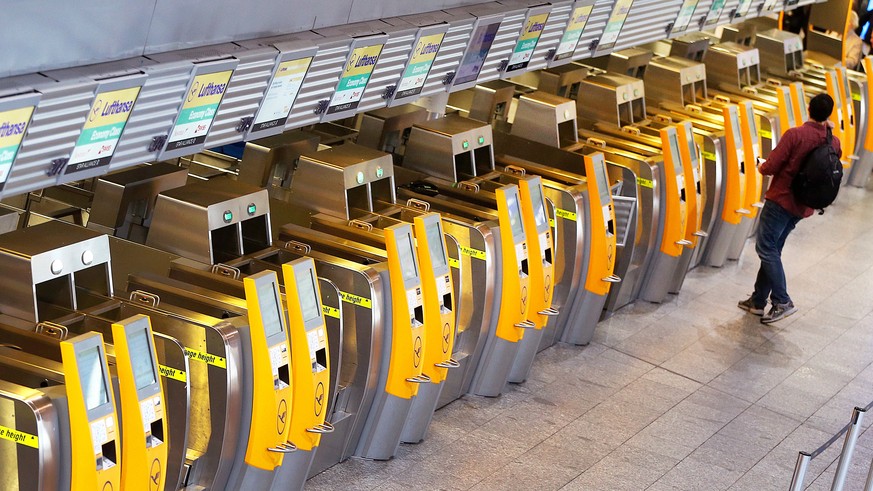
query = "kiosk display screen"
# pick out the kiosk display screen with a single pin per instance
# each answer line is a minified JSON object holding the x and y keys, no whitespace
{"x":407,"y":258}
{"x":281,"y":93}
{"x":674,"y":154}
{"x":419,"y":65}
{"x":141,"y":358}
{"x":308,"y":296}
{"x":801,"y":97}
{"x":198,"y":110}
{"x":602,"y":181}
{"x":270,"y":313}
{"x":753,"y":127}
{"x":536,"y":197}
{"x":477,"y":51}
{"x":789,"y":109}
{"x":514,"y":215}
{"x":692,"y":147}
{"x":93,"y":379}
{"x":435,"y":245}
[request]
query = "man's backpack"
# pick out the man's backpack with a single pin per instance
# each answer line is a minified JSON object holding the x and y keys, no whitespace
{"x":818,"y":181}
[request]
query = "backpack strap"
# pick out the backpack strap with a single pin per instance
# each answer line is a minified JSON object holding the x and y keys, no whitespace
{"x":830,"y":135}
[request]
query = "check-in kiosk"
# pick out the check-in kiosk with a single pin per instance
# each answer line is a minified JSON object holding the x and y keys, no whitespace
{"x":863,"y":167}
{"x":753,"y":196}
{"x":310,"y":372}
{"x":140,"y":394}
{"x":269,"y":359}
{"x":93,"y":417}
{"x":461,"y":149}
{"x":86,"y":454}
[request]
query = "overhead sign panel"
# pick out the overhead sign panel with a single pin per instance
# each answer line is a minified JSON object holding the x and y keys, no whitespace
{"x":614,"y":25}
{"x":484,"y":32}
{"x":15,"y":115}
{"x":354,"y":78}
{"x":102,"y":130}
{"x":427,"y":47}
{"x":282,"y":91}
{"x":578,"y":20}
{"x":206,"y":89}
{"x":684,"y":17}
{"x":527,"y":41}
{"x":714,"y":12}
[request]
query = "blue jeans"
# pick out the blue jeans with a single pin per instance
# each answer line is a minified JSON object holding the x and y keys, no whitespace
{"x":773,"y":228}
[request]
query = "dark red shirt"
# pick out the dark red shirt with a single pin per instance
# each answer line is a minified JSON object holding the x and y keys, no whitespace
{"x":784,"y":163}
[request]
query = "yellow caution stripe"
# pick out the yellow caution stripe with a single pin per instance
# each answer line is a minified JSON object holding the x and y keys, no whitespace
{"x":856,"y":96}
{"x":646,"y":183}
{"x":454,"y":263}
{"x":172,"y":373}
{"x":565,"y":214}
{"x":208,"y":358}
{"x":19,"y":437}
{"x":356,"y":300}
{"x":708,"y":155}
{"x":475,"y":253}
{"x":766,"y":134}
{"x":330,"y":311}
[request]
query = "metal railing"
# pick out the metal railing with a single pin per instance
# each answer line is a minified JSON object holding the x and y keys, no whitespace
{"x":851,"y":430}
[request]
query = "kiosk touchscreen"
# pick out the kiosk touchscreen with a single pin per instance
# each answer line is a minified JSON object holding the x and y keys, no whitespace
{"x":310,"y":354}
{"x":310,"y":370}
{"x":270,"y":363}
{"x":140,"y":392}
{"x":799,"y":103}
{"x":93,"y":417}
{"x":408,"y":338}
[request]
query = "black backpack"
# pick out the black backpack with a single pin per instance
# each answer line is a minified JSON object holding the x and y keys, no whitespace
{"x":818,"y":181}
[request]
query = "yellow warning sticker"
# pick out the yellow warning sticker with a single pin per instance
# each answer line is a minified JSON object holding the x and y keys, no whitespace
{"x":646,"y":183}
{"x":330,"y":311}
{"x":565,"y":214}
{"x":469,"y":251}
{"x":552,"y":222}
{"x":708,"y":155}
{"x":172,"y":373}
{"x":454,"y":263}
{"x":356,"y":300}
{"x":204,"y":357}
{"x":19,"y":437}
{"x":767,"y":134}
{"x":856,"y":96}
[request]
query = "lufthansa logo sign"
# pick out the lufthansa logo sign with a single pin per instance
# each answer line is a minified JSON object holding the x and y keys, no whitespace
{"x":194,"y":88}
{"x":416,"y":352}
{"x":447,"y":335}
{"x":319,"y":399}
{"x":282,"y":416}
{"x":155,"y":475}
{"x":523,"y":298}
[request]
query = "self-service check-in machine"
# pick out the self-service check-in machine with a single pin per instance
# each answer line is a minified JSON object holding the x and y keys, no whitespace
{"x":88,"y":452}
{"x":460,"y":149}
{"x":360,"y":171}
{"x":753,"y":195}
{"x":863,"y":167}
{"x":618,"y":99}
{"x":438,"y":297}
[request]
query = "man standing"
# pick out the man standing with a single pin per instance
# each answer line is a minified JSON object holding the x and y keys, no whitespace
{"x":781,"y":211}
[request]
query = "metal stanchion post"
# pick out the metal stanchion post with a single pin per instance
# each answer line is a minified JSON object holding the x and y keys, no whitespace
{"x":848,"y":449}
{"x":803,"y":459}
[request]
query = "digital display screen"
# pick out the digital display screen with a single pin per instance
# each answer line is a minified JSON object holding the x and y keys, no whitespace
{"x":570,"y":40}
{"x":407,"y":258}
{"x":601,"y":179}
{"x":308,"y":296}
{"x":281,"y":93}
{"x":674,"y":151}
{"x":539,"y":207}
{"x":271,"y":315}
{"x":93,"y":379}
{"x":735,"y":125}
{"x":435,"y":245}
{"x":801,"y":102}
{"x":692,"y":147}
{"x":198,"y":110}
{"x":141,"y":358}
{"x":514,"y":215}
{"x":419,"y":65}
{"x":753,"y":127}
{"x":789,"y":108}
{"x":684,"y":17}
{"x":477,"y":51}
{"x":715,"y":11}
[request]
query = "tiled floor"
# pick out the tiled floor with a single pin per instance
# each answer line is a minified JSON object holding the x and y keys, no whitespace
{"x":693,"y":394}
